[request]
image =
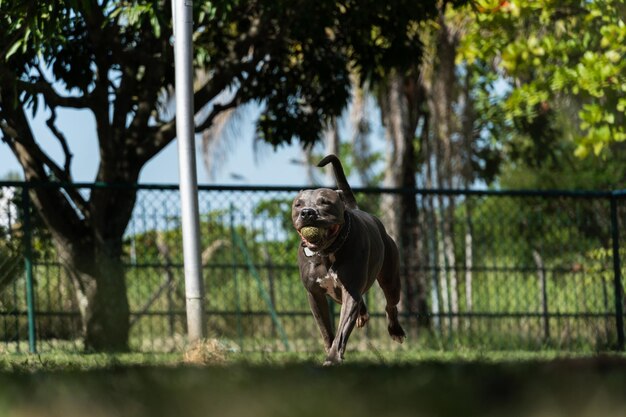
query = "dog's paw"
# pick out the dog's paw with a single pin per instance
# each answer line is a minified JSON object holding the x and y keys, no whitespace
{"x":361,"y":321}
{"x":329,"y":362}
{"x":333,"y":360}
{"x":397,"y":333}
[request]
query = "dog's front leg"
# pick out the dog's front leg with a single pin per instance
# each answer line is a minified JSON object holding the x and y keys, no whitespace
{"x":319,"y":308}
{"x":350,"y":308}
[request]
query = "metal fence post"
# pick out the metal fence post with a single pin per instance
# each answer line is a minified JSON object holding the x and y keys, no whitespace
{"x":28,"y":268}
{"x":617,"y":275}
{"x":238,"y":312}
{"x":183,"y":57}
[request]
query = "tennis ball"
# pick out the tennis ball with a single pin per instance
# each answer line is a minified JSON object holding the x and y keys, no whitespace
{"x":312,"y":234}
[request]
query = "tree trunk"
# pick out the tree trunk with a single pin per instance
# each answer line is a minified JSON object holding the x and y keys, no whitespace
{"x":90,"y":251}
{"x":467,"y":133}
{"x":97,"y":274}
{"x":469,"y":256}
{"x":450,"y":262}
{"x":396,"y":122}
{"x":92,"y":260}
{"x":401,"y":102}
{"x":360,"y":122}
{"x":543,"y":289}
{"x":431,"y":229}
{"x":441,"y":104}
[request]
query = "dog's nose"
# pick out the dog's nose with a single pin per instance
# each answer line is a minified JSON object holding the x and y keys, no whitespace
{"x":308,"y":213}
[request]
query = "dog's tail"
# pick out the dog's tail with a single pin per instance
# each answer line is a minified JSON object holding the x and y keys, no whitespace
{"x":340,"y":177}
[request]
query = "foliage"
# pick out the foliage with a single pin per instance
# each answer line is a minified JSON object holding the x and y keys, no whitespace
{"x":11,"y":265}
{"x":13,"y":233}
{"x":556,"y":54}
{"x":566,"y":171}
{"x":266,"y":51}
{"x":302,"y":67}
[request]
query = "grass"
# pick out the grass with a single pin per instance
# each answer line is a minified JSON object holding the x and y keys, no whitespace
{"x":62,"y":361}
{"x":423,"y":383}
{"x":73,"y":362}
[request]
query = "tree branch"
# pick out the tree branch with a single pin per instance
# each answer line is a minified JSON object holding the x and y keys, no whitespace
{"x":217,"y":109}
{"x":163,"y":134}
{"x":36,"y":152}
{"x":216,"y":84}
{"x":62,"y":140}
{"x":33,"y":159}
{"x":59,"y":213}
{"x":52,"y":97}
{"x":160,"y":136}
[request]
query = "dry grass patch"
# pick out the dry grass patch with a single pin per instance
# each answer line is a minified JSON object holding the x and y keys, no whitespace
{"x":206,"y":352}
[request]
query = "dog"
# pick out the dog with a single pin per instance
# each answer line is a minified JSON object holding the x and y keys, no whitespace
{"x":350,"y":252}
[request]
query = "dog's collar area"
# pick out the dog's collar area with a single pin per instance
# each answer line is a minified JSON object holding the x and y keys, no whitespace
{"x":337,"y":243}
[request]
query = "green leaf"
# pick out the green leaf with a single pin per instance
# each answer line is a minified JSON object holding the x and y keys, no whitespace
{"x":582,"y":151}
{"x":13,"y":49}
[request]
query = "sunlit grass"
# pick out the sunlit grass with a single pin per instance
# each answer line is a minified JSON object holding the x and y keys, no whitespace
{"x":63,"y":361}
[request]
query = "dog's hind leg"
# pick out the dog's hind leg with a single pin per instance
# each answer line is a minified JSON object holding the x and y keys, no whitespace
{"x":389,"y":281}
{"x":393,"y":325}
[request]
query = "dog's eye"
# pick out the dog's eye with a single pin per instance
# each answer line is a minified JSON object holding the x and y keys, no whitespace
{"x":298,"y":204}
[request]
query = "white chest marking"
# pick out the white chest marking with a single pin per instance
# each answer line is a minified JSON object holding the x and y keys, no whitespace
{"x":329,"y":281}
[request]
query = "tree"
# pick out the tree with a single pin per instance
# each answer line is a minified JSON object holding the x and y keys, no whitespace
{"x":115,"y":60}
{"x":566,"y":54}
{"x":401,"y":98}
{"x":431,"y":122}
{"x":11,"y":260}
{"x":489,"y":90}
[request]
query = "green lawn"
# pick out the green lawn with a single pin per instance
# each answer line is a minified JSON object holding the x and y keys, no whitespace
{"x":62,"y":361}
{"x":383,"y":384}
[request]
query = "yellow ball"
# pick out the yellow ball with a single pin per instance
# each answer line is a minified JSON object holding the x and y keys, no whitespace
{"x":312,"y":234}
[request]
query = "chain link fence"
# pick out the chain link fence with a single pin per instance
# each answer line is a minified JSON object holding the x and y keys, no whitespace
{"x":486,"y":270}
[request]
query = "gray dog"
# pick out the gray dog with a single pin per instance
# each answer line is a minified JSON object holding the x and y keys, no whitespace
{"x":343,"y":251}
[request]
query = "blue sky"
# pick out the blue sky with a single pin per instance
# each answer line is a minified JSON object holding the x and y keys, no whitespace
{"x":270,"y":168}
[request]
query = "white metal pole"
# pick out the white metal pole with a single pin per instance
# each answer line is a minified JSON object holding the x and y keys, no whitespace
{"x":194,"y":291}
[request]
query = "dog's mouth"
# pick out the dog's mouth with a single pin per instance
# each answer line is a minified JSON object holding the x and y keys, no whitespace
{"x":323,"y":237}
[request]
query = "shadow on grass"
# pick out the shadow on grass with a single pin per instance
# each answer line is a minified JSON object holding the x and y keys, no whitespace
{"x":585,"y":386}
